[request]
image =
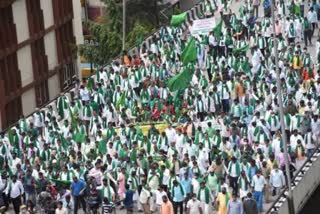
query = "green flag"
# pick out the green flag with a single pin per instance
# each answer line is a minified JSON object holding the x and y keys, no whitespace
{"x":181,"y":80}
{"x":177,"y":20}
{"x":296,"y":10}
{"x":102,"y":147}
{"x":239,"y":50}
{"x":189,"y":54}
{"x":139,"y":41}
{"x":64,"y":141}
{"x":61,"y":182}
{"x":10,"y":136}
{"x":79,"y":138}
{"x":122,"y":100}
{"x":218,"y":30}
{"x":90,"y":83}
{"x":73,"y":119}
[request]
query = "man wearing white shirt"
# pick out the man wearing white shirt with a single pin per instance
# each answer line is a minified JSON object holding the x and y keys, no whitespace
{"x":159,"y":194}
{"x":225,"y":96}
{"x":84,"y":94}
{"x":13,"y":162}
{"x":313,"y":19}
{"x":294,"y":139}
{"x":310,"y":142}
{"x":203,"y":158}
{"x":258,"y":184}
{"x":179,"y":142}
{"x":15,"y":190}
{"x":194,"y":205}
{"x":277,"y":180}
{"x":170,"y":133}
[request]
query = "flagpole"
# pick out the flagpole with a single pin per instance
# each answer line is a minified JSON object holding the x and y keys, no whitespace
{"x":281,"y":114}
{"x":123,"y":24}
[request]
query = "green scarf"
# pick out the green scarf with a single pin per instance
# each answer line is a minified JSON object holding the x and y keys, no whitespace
{"x":207,"y":194}
{"x":291,"y":31}
{"x":3,"y":150}
{"x":237,"y":168}
{"x":301,"y":147}
{"x":181,"y":189}
{"x":108,"y":193}
{"x":134,"y":184}
{"x":243,"y":181}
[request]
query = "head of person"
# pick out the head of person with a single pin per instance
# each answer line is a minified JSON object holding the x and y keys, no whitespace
{"x":164,"y":199}
{"x":59,"y":204}
{"x":258,"y":172}
{"x":234,"y":195}
{"x":224,"y":190}
{"x":202,"y":185}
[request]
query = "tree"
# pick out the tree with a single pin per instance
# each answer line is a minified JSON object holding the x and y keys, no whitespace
{"x":107,"y":44}
{"x":141,"y":19}
{"x":136,"y":35}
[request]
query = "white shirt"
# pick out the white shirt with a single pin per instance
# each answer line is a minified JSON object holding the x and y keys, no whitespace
{"x":144,"y":196}
{"x":193,"y":206}
{"x":258,"y":183}
{"x":171,"y":134}
{"x":312,"y":17}
{"x":84,"y":94}
{"x":159,"y":196}
{"x":16,"y":189}
{"x":195,"y":184}
{"x":61,"y":211}
{"x":212,"y":41}
{"x":294,"y":141}
{"x":277,"y":178}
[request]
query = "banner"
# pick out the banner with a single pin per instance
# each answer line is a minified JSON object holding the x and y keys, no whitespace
{"x":144,"y":128}
{"x":202,"y":26}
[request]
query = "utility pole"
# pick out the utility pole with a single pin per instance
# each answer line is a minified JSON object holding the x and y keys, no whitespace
{"x":123,"y":24}
{"x":281,"y":113}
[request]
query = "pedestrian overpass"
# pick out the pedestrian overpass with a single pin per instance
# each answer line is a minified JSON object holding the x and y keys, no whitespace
{"x":304,"y":183}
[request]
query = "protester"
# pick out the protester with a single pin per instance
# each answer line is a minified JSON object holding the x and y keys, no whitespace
{"x":166,"y":206}
{"x":78,"y":188}
{"x":250,"y":205}
{"x":234,"y":205}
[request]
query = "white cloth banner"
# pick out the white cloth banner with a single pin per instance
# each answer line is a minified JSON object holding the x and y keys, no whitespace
{"x":202,"y":26}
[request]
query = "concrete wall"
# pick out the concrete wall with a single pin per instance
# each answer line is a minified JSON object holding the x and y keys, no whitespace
{"x":46,"y":7}
{"x":77,"y":29}
{"x":20,"y":18}
{"x":51,"y":50}
{"x":25,"y":65}
{"x":54,"y":87}
{"x":28,"y":101}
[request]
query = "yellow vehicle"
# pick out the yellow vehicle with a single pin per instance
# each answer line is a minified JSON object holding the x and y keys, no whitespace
{"x":85,"y":68}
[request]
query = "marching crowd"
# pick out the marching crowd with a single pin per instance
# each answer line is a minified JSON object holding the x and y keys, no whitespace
{"x":213,"y":145}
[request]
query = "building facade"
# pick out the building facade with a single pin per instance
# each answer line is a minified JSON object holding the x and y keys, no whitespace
{"x":37,"y":53}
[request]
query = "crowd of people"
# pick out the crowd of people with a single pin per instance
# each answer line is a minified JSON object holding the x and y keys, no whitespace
{"x":214,"y":145}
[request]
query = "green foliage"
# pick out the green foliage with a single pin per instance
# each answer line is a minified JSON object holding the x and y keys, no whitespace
{"x":108,"y":44}
{"x":138,"y":32}
{"x":114,"y":15}
{"x":142,"y":17}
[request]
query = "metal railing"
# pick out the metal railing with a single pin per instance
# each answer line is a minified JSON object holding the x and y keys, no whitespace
{"x":283,"y":194}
